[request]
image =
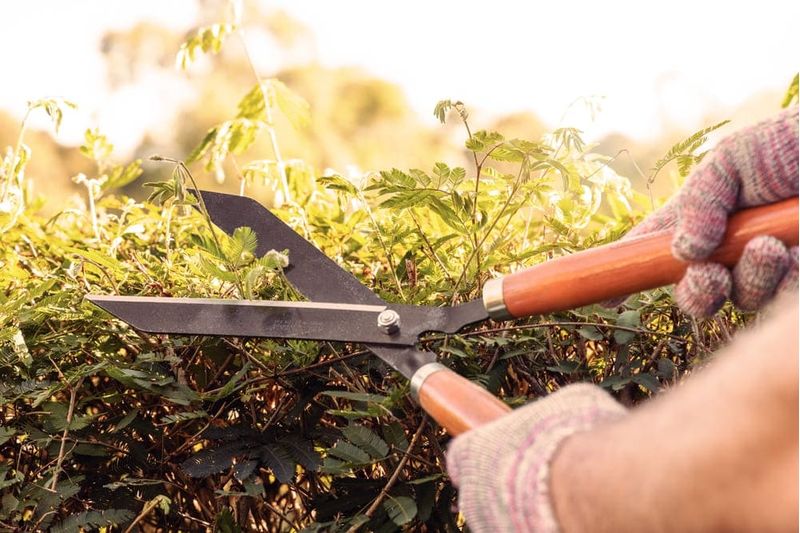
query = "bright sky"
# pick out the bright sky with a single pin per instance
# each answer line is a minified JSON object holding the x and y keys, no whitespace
{"x":657,"y":65}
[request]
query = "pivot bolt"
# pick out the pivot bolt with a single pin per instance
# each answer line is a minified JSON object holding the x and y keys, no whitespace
{"x":389,"y":321}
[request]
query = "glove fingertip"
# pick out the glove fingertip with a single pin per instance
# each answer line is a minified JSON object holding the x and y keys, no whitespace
{"x":762,"y":266}
{"x":789,"y":283}
{"x":703,"y":289}
{"x":698,"y":233}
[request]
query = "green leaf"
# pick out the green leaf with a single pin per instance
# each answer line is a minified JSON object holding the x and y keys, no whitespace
{"x":10,"y":503}
{"x":93,"y":520}
{"x":791,"y":95}
{"x":279,"y":97}
{"x":458,"y":352}
{"x":426,"y":479}
{"x":201,"y":149}
{"x":177,"y":418}
{"x":240,"y":248}
{"x":666,"y":368}
{"x":6,"y":433}
{"x":334,"y":182}
{"x":356,"y":396}
{"x":291,"y":104}
{"x":401,"y":509}
{"x":126,"y":420}
{"x":54,"y":107}
{"x":96,"y":145}
{"x":277,"y":459}
{"x":213,"y":460}
{"x":224,"y":522}
{"x":243,"y":470}
{"x":349,"y":452}
{"x":395,"y":435}
{"x":232,"y":385}
{"x":565,"y":366}
{"x":302,"y":451}
{"x":207,"y":39}
{"x":630,"y":319}
{"x":616,"y":382}
{"x":121,"y":176}
{"x":648,"y":381}
{"x":365,"y":439}
{"x":93,"y":450}
{"x":591,"y":333}
{"x":685,"y":148}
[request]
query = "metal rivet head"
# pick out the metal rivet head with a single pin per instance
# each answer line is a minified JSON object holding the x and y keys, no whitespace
{"x":389,"y":321}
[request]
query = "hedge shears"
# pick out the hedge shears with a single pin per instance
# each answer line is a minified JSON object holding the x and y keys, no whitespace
{"x":342,"y":309}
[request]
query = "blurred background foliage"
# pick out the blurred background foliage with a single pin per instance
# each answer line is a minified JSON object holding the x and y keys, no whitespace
{"x":358,"y":121}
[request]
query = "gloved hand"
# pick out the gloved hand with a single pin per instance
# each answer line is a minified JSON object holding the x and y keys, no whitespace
{"x":755,"y":166}
{"x":501,"y":469}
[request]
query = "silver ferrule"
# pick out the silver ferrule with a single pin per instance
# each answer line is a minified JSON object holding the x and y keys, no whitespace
{"x":421,"y":375}
{"x":493,"y":300}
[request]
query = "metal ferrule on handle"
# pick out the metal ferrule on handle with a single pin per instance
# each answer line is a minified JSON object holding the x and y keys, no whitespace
{"x":419,"y":377}
{"x":455,"y":402}
{"x":493,"y":300}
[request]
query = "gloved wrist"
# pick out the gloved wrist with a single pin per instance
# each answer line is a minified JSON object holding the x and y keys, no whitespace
{"x":502,"y":469}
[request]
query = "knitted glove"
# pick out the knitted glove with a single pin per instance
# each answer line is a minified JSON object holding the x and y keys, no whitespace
{"x":502,"y":468}
{"x":754,"y":166}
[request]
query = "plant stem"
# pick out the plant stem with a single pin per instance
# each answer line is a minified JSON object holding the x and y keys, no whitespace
{"x":478,"y":167}
{"x":14,"y":157}
{"x":383,"y":245}
{"x":395,"y":475}
{"x":567,"y":323}
{"x":182,"y":167}
{"x":430,"y":248}
{"x":513,"y":192}
{"x":273,"y":137}
{"x":73,"y":395}
{"x":145,"y":511}
{"x":92,"y":210}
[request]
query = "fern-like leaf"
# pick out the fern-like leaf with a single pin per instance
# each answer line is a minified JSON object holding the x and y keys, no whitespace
{"x":684,"y":150}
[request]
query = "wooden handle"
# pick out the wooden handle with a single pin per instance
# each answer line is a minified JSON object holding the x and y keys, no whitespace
{"x":633,"y":265}
{"x":456,"y":403}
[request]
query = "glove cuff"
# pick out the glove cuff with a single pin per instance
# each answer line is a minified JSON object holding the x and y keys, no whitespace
{"x":574,"y":409}
{"x":502,"y":469}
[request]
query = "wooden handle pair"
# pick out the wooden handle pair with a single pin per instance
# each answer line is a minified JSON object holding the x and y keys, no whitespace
{"x":587,"y":277}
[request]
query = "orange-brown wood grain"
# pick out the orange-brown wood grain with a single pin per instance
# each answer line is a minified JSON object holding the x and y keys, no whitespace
{"x":458,"y":404}
{"x":642,"y":263}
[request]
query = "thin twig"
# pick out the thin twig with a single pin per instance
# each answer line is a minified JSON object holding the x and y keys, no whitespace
{"x":566,"y":323}
{"x":430,"y":248}
{"x":395,"y":475}
{"x":145,"y":511}
{"x":73,"y":395}
{"x":386,"y":249}
{"x":513,"y":192}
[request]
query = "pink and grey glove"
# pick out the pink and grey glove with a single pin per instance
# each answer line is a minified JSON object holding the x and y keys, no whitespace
{"x":502,"y":469}
{"x":754,"y":166}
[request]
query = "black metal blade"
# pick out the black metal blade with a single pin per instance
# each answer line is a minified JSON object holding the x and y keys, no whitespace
{"x":271,"y":319}
{"x":255,"y":318}
{"x":312,"y":273}
{"x":319,"y":278}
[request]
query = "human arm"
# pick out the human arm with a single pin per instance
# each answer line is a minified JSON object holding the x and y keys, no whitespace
{"x":718,"y":453}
